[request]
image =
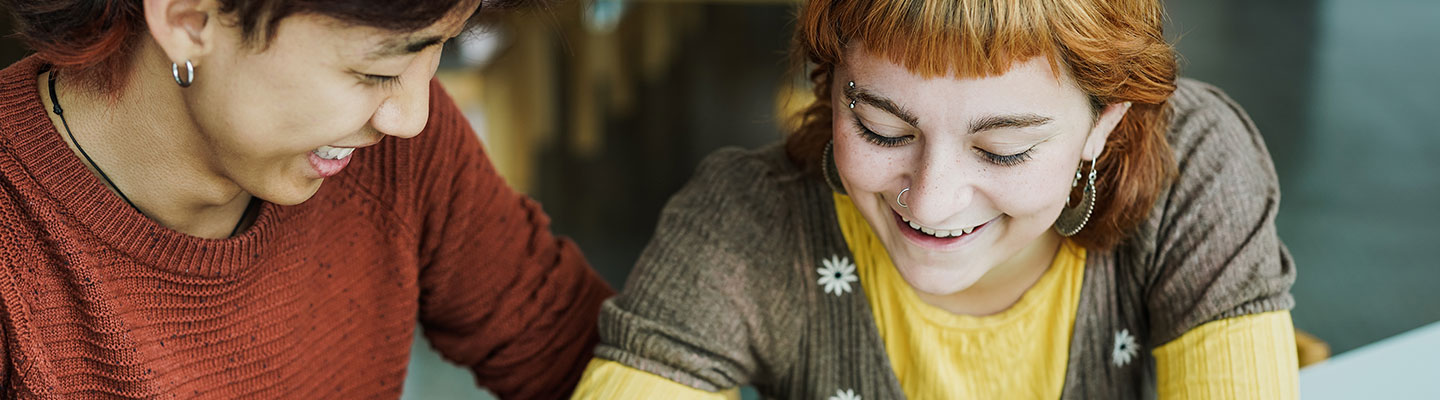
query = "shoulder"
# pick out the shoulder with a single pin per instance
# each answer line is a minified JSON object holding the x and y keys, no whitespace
{"x":744,"y":207}
{"x":699,"y":307}
{"x":1206,"y":124}
{"x":744,"y":172}
{"x":738,"y":185}
{"x":1210,"y":249}
{"x":1224,"y":175}
{"x":740,"y":211}
{"x":1222,"y":166}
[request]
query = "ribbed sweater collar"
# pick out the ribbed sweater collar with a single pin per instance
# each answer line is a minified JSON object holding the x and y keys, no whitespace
{"x":49,"y":172}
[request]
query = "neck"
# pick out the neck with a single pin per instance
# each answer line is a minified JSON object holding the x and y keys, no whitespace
{"x":1004,"y":285}
{"x":145,"y":141}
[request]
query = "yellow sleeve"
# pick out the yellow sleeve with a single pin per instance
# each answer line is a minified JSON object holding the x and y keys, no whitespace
{"x":605,"y":379}
{"x":1246,"y":357}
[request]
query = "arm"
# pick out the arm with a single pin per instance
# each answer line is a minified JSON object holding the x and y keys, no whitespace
{"x":605,"y":379}
{"x":4,"y":357}
{"x":696,"y":308}
{"x":498,"y":292}
{"x":1219,"y":285}
{"x":1246,"y":357}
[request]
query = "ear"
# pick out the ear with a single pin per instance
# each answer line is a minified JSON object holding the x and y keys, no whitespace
{"x":1109,"y":118}
{"x":184,"y":29}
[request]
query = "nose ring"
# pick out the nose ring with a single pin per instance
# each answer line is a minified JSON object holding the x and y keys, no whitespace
{"x":897,"y":198}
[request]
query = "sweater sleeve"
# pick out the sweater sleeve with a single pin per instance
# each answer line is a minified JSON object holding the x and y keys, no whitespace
{"x":4,"y":356}
{"x":1216,"y":252}
{"x":697,"y":307}
{"x":1247,"y":357}
{"x":498,"y":292}
{"x":606,"y":379}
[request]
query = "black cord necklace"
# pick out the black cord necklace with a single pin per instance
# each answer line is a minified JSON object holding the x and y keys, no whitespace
{"x":55,"y":101}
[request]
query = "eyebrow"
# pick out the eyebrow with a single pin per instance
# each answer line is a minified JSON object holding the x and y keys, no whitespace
{"x":862,"y":95}
{"x":403,"y":47}
{"x":1014,"y":121}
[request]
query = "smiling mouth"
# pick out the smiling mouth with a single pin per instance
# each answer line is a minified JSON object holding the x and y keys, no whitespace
{"x":333,"y":153}
{"x":937,"y":233}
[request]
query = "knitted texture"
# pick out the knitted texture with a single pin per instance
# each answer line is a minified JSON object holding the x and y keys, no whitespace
{"x":314,"y":301}
{"x":727,"y":293}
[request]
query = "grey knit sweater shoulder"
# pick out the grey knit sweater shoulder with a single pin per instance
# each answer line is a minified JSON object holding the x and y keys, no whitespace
{"x":726,"y":293}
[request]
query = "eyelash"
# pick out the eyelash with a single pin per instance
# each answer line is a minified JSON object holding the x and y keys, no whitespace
{"x":387,"y":81}
{"x":383,"y":81}
{"x":1006,"y":160}
{"x":878,"y":139}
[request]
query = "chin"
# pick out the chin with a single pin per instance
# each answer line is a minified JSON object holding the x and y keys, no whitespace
{"x":940,"y":281}
{"x":292,"y":194}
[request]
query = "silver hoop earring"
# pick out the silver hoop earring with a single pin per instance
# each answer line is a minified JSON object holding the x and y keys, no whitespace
{"x":827,"y":169}
{"x":189,"y":74}
{"x":1072,"y":219}
{"x":897,"y":198}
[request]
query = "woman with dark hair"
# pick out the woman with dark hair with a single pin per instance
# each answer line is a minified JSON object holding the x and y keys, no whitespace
{"x":164,"y":229}
{"x":987,"y":199}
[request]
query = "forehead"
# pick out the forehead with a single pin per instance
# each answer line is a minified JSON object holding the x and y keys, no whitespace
{"x":1026,"y":83}
{"x":322,"y":35}
{"x":448,"y":27}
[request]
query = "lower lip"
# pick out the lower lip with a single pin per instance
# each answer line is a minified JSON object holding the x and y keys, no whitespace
{"x":927,"y":241}
{"x":327,"y":168}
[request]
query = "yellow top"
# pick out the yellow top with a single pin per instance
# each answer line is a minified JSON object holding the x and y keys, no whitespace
{"x":1021,"y":352}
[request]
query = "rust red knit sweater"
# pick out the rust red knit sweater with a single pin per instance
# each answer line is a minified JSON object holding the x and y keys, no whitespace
{"x":315,"y":301}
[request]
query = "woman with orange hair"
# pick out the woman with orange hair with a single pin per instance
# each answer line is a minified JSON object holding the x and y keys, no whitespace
{"x":987,"y":199}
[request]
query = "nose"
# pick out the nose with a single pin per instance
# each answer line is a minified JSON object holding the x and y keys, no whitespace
{"x":406,"y":109}
{"x":940,"y":188}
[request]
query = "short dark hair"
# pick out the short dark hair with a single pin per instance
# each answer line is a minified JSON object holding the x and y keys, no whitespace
{"x":93,"y":36}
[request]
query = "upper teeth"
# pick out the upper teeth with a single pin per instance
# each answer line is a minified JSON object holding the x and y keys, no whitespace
{"x":940,"y":233}
{"x":333,"y":153}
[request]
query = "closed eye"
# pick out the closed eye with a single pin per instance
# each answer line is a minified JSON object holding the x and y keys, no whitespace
{"x":384,"y":81}
{"x":1006,"y":160}
{"x":878,"y":139}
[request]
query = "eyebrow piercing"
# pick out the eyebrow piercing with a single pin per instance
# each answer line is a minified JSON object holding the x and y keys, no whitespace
{"x":852,"y":101}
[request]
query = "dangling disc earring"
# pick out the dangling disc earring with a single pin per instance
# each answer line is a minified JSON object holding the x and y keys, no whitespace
{"x":1072,"y":219}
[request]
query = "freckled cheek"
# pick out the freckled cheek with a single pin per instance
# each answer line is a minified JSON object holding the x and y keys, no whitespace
{"x":866,"y":167}
{"x":1036,"y":193}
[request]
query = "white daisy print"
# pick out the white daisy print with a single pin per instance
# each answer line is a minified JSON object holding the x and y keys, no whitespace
{"x":1125,"y":348}
{"x":846,"y":394}
{"x":836,"y":274}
